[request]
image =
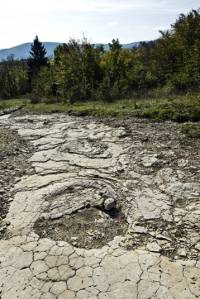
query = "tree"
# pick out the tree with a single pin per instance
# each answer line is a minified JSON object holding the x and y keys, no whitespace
{"x":13,"y":78}
{"x":100,"y":47}
{"x":38,"y":56}
{"x":77,"y":71}
{"x":36,"y":61}
{"x":115,"y":45}
{"x":115,"y":64}
{"x":80,"y":71}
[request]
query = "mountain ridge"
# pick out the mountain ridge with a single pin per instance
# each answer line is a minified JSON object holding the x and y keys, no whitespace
{"x":22,"y":51}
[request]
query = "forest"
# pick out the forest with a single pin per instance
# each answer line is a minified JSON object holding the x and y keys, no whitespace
{"x":81,"y":72}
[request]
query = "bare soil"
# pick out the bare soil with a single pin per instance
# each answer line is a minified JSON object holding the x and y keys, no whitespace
{"x":88,"y":228}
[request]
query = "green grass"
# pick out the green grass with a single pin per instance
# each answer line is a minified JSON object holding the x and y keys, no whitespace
{"x":179,"y":109}
{"x":7,"y":104}
{"x":191,"y":130}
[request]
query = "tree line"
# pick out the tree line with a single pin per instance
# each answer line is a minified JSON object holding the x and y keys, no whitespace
{"x":79,"y":71}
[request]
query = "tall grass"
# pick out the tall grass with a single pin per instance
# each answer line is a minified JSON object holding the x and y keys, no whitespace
{"x":177,"y":108}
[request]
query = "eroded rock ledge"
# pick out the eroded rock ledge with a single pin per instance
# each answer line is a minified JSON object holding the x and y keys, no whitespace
{"x":14,"y":155}
{"x":112,"y":210}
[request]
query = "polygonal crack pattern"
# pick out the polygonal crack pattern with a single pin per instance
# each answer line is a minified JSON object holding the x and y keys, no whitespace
{"x":111,"y":211}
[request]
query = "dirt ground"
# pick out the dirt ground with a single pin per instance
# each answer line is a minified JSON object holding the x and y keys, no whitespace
{"x":88,"y":228}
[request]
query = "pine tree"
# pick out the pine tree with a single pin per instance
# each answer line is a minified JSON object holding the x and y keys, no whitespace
{"x":36,"y":62}
{"x":37,"y":57}
{"x":38,"y":52}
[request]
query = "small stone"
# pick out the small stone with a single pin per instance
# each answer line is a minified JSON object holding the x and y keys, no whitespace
{"x":149,"y":161}
{"x":56,"y":216}
{"x":154,"y":247}
{"x":182,"y":252}
{"x":109,"y":203}
{"x":140,"y":230}
{"x":162,"y":237}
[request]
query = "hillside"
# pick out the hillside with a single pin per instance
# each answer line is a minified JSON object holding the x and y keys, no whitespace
{"x":22,"y":51}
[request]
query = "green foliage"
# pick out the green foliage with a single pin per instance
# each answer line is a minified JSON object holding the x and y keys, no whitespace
{"x":13,"y":78}
{"x":81,"y":72}
{"x":179,"y":109}
{"x":77,"y":71}
{"x":115,"y":66}
{"x":7,"y":104}
{"x":191,"y":130}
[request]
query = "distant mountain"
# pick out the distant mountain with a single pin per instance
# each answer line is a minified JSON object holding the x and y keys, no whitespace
{"x":22,"y":51}
{"x":125,"y":46}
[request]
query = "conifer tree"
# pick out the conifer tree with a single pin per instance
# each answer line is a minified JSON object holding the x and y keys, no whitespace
{"x":38,"y":52}
{"x":36,"y":62}
{"x":37,"y":57}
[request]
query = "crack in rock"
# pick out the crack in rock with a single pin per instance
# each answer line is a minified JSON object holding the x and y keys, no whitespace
{"x":110,"y":209}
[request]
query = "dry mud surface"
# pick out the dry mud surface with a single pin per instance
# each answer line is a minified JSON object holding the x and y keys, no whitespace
{"x":104,"y":210}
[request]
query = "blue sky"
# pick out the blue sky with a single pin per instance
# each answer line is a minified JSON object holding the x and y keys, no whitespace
{"x":98,"y":20}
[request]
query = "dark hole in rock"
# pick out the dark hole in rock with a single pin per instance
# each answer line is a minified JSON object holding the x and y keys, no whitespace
{"x":113,"y":213}
{"x":87,"y":228}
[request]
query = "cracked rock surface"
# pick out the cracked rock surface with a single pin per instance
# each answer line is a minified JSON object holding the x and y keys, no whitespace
{"x":14,"y":153}
{"x":111,"y":209}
